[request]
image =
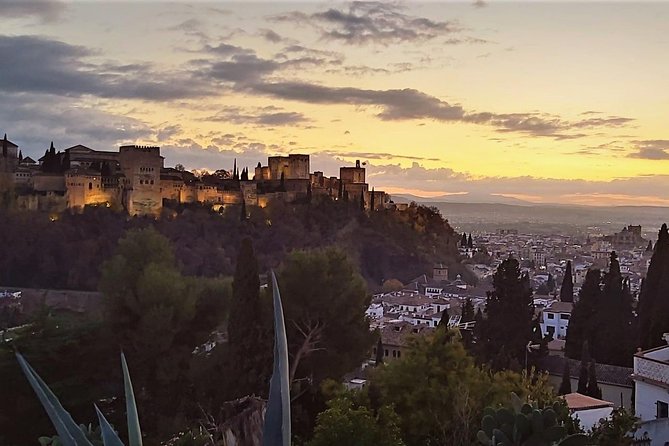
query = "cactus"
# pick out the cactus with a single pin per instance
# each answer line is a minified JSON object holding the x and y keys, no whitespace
{"x":525,"y":425}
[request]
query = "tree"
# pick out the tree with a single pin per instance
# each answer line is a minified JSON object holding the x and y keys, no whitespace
{"x":567,"y":288}
{"x":614,"y":336}
{"x":154,"y":314}
{"x":379,"y":352}
{"x":550,"y":283}
{"x":510,"y":310}
{"x":463,"y":240}
{"x":649,"y":248}
{"x":654,"y":298}
{"x":615,"y":430}
{"x":249,"y":351}
{"x":443,"y":322}
{"x":180,"y":167}
{"x":347,"y":422}
{"x":467,"y":310}
{"x":245,"y":174}
{"x":565,"y":384}
{"x":391,"y":285}
{"x":582,"y":326}
{"x":470,"y":243}
{"x":593,"y":389}
{"x":324,"y":302}
{"x":583,"y":373}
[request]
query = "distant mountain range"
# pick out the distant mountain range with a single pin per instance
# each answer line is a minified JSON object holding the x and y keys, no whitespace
{"x":462,"y":198}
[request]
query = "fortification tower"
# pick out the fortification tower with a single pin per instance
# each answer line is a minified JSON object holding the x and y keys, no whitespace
{"x":141,"y":167}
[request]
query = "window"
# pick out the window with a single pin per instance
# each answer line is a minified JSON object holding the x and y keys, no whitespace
{"x":90,"y":186}
{"x":398,"y":353}
{"x":386,"y":352}
{"x":550,"y":330}
{"x":564,"y":317}
{"x":662,"y":409}
{"x":550,"y":315}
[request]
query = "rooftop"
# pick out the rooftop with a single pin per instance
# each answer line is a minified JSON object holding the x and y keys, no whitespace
{"x":576,"y":401}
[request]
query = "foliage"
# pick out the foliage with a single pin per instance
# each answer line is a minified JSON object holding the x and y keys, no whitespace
{"x":348,"y":422}
{"x":509,"y":309}
{"x":581,"y":327}
{"x":565,"y":384}
{"x":567,"y":288}
{"x":615,"y":430}
{"x":653,"y":301}
{"x":439,"y":393}
{"x":526,"y":424}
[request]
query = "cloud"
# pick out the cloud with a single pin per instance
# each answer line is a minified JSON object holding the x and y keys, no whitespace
{"x":479,"y":4}
{"x":374,"y":156}
{"x":33,"y":64}
{"x":33,"y":121}
{"x":271,"y":36}
{"x":263,"y":116}
{"x":371,"y":22}
{"x":653,"y":149}
{"x":45,"y":10}
{"x":411,"y":104}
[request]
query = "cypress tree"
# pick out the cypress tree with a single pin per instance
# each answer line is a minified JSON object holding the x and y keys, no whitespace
{"x":379,"y":352}
{"x":593,"y":389}
{"x":249,"y":350}
{"x":654,"y":298}
{"x":509,"y":310}
{"x":443,"y":322}
{"x":550,"y":283}
{"x":470,"y":243}
{"x":463,"y":240}
{"x":468,"y":310}
{"x":582,"y":322}
{"x":20,"y":156}
{"x":649,"y":248}
{"x":583,"y":373}
{"x":613,"y":340}
{"x":565,"y":384}
{"x":567,"y":288}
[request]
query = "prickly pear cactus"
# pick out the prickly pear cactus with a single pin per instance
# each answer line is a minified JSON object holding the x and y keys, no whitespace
{"x":525,"y":425}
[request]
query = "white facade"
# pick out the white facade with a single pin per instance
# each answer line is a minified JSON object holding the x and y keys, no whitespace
{"x":555,"y":320}
{"x":651,"y":404}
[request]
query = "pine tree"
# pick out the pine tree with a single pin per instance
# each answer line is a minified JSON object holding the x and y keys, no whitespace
{"x":582,"y":323}
{"x":20,"y":156}
{"x":593,"y":389}
{"x":583,"y":373}
{"x":567,"y":288}
{"x":245,"y":174}
{"x":654,"y":298}
{"x":565,"y":385}
{"x":470,"y":243}
{"x":463,"y":240}
{"x":509,"y":310}
{"x":379,"y":352}
{"x":249,"y":350}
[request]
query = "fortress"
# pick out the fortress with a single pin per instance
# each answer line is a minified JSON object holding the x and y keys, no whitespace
{"x":135,"y":179}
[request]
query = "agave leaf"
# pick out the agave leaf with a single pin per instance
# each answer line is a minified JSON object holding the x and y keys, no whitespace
{"x":69,"y":432}
{"x":276,"y":431}
{"x":109,"y":437}
{"x":134,"y":431}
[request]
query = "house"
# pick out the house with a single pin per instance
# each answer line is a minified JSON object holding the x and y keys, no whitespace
{"x":587,"y":410}
{"x":651,"y":385}
{"x":555,"y":319}
{"x":395,"y":338}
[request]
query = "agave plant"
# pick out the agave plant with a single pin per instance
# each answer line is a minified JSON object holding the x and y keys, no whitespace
{"x":276,"y":429}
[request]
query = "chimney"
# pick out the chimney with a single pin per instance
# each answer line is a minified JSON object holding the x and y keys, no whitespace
{"x":357,"y":164}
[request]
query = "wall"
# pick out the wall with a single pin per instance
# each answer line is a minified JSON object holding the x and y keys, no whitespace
{"x":646,"y":397}
{"x":610,"y":393}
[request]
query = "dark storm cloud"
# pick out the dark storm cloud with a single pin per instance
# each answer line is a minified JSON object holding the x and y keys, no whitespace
{"x":36,"y":64}
{"x":45,"y":10}
{"x":652,"y":149}
{"x":264,"y":116}
{"x":371,"y":22}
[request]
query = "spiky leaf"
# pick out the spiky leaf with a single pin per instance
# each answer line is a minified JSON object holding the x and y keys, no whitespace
{"x":134,"y":430}
{"x":109,"y":436}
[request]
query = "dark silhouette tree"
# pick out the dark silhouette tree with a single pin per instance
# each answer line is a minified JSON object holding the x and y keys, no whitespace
{"x":649,"y":248}
{"x":510,"y":310}
{"x":379,"y":352}
{"x":470,"y":243}
{"x":249,"y":352}
{"x":565,"y":384}
{"x":654,"y":298}
{"x":245,"y":174}
{"x":582,"y":325}
{"x":443,"y":322}
{"x":593,"y":388}
{"x":550,"y":283}
{"x":567,"y":288}
{"x":463,"y":240}
{"x":583,"y":372}
{"x":467,"y":310}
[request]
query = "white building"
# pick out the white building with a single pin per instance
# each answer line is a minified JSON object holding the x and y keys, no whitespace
{"x":651,"y":385}
{"x":555,"y":319}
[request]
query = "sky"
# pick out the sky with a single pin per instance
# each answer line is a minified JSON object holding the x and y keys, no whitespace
{"x":549,"y":102}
